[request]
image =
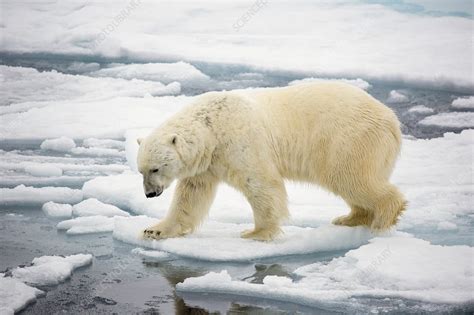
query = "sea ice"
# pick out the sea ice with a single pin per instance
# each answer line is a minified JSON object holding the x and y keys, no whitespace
{"x":217,"y":241}
{"x":92,"y":207}
{"x":459,"y":120}
{"x":362,"y":84}
{"x":104,"y":143}
{"x":62,"y":144}
{"x":182,"y":72}
{"x":396,"y":97}
{"x":42,"y":170}
{"x":463,"y":103}
{"x":15,"y":295}
{"x":395,"y":266}
{"x":87,"y":225}
{"x":23,"y":195}
{"x":421,"y":109}
{"x":57,"y":210}
{"x":51,"y":270}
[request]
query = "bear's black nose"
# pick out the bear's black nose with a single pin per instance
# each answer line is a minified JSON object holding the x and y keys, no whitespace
{"x":151,"y":194}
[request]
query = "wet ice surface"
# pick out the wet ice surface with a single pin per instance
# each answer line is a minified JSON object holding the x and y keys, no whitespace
{"x":123,"y":278}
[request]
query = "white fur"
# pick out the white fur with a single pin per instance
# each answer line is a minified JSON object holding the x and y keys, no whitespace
{"x":331,"y":134}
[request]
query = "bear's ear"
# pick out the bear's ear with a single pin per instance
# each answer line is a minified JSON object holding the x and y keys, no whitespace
{"x":139,"y":140}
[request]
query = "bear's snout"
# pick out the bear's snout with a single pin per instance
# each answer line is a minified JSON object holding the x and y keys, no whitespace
{"x":152,"y":194}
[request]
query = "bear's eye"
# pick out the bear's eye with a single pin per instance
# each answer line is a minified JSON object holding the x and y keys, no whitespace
{"x":155,"y":170}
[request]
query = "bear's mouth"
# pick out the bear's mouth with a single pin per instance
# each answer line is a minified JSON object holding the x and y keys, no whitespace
{"x":153,"y":194}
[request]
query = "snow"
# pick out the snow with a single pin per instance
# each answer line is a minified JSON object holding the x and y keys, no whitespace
{"x":396,"y":97}
{"x":24,"y":195}
{"x":27,"y":88}
{"x":155,"y":255}
{"x":57,"y":210}
{"x":362,"y":84}
{"x":450,"y":120}
{"x":15,"y":295}
{"x":51,"y":270}
{"x":41,"y":170}
{"x":69,"y":118}
{"x":182,"y":72}
{"x":87,"y":225}
{"x":103,"y":143}
{"x":62,"y":144}
{"x":463,"y":103}
{"x":421,"y":109}
{"x":92,"y":207}
{"x":97,"y":152}
{"x":324,"y":37}
{"x":217,"y":241}
{"x":397,"y":266}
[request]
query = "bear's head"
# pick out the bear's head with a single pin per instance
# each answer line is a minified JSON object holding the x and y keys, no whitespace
{"x":160,"y":162}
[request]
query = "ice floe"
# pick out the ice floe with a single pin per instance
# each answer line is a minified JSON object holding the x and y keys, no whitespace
{"x":51,"y":270}
{"x":24,"y":195}
{"x":182,"y":72}
{"x":100,"y":117}
{"x":463,"y":103}
{"x":389,"y":267}
{"x":62,"y":144}
{"x":438,"y":57}
{"x":92,"y":207}
{"x":104,"y":143}
{"x":27,"y":88}
{"x":421,"y":109}
{"x":362,"y":84}
{"x":15,"y":295}
{"x":87,"y":225}
{"x":41,"y":170}
{"x":396,"y":97}
{"x":457,"y":120}
{"x":217,"y":241}
{"x":57,"y":210}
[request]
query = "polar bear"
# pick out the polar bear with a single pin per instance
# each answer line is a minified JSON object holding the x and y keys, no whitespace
{"x":328,"y":133}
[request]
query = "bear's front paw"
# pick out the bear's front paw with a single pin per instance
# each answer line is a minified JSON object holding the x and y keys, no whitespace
{"x":263,"y":235}
{"x":161,"y":231}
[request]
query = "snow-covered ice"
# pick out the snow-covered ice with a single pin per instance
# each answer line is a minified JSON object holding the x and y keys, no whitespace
{"x":457,"y":120}
{"x":396,"y":97}
{"x":182,"y":72}
{"x":51,"y":270}
{"x":24,"y":195}
{"x":69,"y":118}
{"x":94,"y":151}
{"x":421,"y":109}
{"x":103,"y":143}
{"x":92,"y":207}
{"x":57,"y":210}
{"x":217,"y":241}
{"x":379,"y":38}
{"x":27,"y":88}
{"x":62,"y":144}
{"x":42,"y":170}
{"x":362,"y":84}
{"x":386,"y":267}
{"x":463,"y":103}
{"x":15,"y":295}
{"x":87,"y":225}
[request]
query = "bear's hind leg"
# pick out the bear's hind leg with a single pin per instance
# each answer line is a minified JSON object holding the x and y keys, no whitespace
{"x":269,"y":205}
{"x":388,"y":208}
{"x":358,"y":216}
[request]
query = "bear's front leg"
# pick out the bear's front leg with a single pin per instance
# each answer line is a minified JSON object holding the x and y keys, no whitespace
{"x":191,"y":202}
{"x":267,"y":196}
